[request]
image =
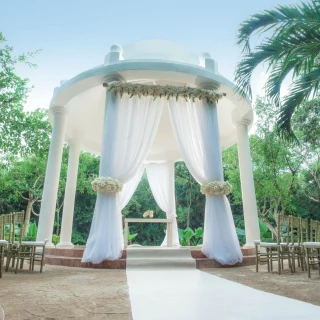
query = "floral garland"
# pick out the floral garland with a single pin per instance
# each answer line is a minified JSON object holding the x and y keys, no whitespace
{"x":107,"y":184}
{"x":216,"y":188}
{"x":156,"y":91}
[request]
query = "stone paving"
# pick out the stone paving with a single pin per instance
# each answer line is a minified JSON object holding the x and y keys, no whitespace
{"x":65,"y":293}
{"x":82,"y":293}
{"x":292,"y":285}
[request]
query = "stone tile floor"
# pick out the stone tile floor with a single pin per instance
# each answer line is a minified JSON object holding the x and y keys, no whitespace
{"x":65,"y":293}
{"x":292,"y":285}
{"x":81,"y":293}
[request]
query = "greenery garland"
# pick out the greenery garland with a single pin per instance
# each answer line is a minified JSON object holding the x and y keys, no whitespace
{"x":138,"y":89}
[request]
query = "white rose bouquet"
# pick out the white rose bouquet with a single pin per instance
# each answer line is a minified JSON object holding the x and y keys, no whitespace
{"x":107,"y":184}
{"x":216,"y":188}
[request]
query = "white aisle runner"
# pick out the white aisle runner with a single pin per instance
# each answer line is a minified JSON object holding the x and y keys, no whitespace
{"x":164,"y":285}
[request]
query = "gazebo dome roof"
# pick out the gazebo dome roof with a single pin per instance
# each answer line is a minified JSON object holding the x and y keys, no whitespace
{"x":152,"y":62}
{"x":158,"y":50}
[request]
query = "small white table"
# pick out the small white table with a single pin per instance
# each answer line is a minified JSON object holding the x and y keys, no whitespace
{"x":148,"y":220}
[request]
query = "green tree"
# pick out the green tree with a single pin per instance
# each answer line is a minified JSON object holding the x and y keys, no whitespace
{"x":13,"y":94}
{"x":277,"y":166}
{"x":291,"y":45}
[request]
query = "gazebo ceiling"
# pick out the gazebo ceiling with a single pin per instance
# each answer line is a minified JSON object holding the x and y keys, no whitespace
{"x":152,"y":62}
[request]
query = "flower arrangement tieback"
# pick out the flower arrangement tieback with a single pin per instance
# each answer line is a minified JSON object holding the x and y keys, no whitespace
{"x":216,"y":188}
{"x":107,"y":184}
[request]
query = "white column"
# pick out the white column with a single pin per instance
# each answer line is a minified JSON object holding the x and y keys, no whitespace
{"x":50,"y":189}
{"x":247,"y":184}
{"x":69,"y":197}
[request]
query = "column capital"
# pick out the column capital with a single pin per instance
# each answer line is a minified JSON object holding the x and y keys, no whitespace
{"x":242,"y":122}
{"x":74,"y":141}
{"x":207,"y":84}
{"x":58,"y":109}
{"x":112,"y":77}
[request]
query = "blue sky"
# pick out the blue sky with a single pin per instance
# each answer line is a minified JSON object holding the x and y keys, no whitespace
{"x":76,"y":35}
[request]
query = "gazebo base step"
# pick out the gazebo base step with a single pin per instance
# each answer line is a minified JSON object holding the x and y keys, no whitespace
{"x":72,"y":258}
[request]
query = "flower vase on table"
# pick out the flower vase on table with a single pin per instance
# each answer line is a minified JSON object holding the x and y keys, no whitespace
{"x":148,"y":214}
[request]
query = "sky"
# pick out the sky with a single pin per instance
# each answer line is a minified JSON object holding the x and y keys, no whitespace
{"x":76,"y":35}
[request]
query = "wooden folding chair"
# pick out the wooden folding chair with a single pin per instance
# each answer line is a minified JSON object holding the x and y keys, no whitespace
{"x":16,"y":227}
{"x":312,"y":248}
{"x":279,"y":251}
{"x":3,"y":246}
{"x":295,"y":244}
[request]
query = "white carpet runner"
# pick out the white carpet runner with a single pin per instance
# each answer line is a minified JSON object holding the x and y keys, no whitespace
{"x":164,"y":285}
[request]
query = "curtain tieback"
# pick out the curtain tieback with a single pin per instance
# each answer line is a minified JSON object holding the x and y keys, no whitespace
{"x":216,"y":188}
{"x":107,"y":184}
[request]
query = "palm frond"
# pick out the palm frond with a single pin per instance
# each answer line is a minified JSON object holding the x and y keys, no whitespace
{"x":294,"y":46}
{"x":306,"y":85}
{"x":283,"y":17}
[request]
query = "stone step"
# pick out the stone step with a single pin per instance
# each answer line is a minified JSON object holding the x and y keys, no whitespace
{"x":78,"y":252}
{"x":76,"y":262}
{"x":156,"y":252}
{"x":203,"y":263}
{"x":161,"y":263}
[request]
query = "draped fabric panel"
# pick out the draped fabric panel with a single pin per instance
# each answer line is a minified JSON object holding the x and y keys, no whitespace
{"x":161,"y":181}
{"x":195,"y":126}
{"x":129,"y":188}
{"x":129,"y":129}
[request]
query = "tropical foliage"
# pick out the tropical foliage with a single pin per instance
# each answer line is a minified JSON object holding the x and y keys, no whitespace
{"x":290,"y":46}
{"x":286,"y":174}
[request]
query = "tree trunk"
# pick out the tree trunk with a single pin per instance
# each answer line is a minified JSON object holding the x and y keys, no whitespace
{"x":270,"y":227}
{"x":27,"y":216}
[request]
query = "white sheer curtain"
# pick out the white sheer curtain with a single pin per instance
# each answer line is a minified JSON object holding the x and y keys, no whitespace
{"x":161,"y":181}
{"x":129,"y":188}
{"x":196,"y":128}
{"x":129,"y":130}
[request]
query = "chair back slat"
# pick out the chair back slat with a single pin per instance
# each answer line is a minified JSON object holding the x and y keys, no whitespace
{"x":318,"y":232}
{"x":283,"y":228}
{"x":295,"y":230}
{"x":313,"y":230}
{"x":11,"y":226}
{"x":7,"y":226}
{"x":17,"y":226}
{"x":304,"y":230}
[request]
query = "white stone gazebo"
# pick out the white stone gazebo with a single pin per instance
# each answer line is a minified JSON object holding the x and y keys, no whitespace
{"x":150,"y":104}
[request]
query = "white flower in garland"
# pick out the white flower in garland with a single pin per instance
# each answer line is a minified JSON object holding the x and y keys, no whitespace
{"x":107,"y":184}
{"x":138,"y":89}
{"x":216,"y":188}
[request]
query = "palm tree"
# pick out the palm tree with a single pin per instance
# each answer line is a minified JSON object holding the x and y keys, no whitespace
{"x":293,"y":47}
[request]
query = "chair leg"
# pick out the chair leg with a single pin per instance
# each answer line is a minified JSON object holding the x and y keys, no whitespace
{"x":18,"y":258}
{"x":33,"y":257}
{"x":8,"y":262}
{"x":290,"y":261}
{"x":308,"y":263}
{"x":318,"y":260}
{"x":42,"y":258}
{"x":257,"y":259}
{"x":279,"y":261}
{"x":1,"y":257}
{"x":294,"y":261}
